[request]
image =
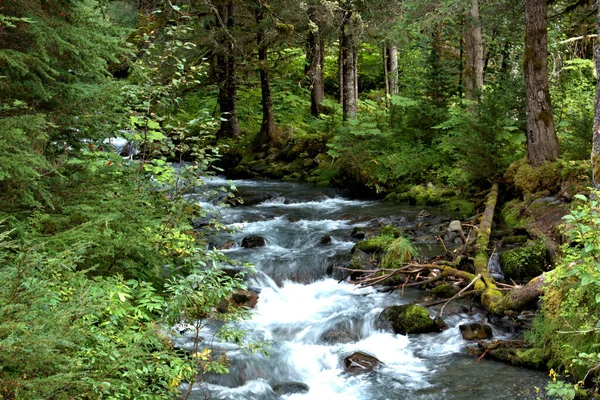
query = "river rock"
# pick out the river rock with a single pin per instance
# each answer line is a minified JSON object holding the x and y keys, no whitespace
{"x":455,"y":226}
{"x":358,"y":233}
{"x":361,"y":260}
{"x":325,"y":240}
{"x":475,"y":331}
{"x":286,"y":388}
{"x":244,"y":298}
{"x":361,"y":362}
{"x":409,"y":318}
{"x":252,"y":241}
{"x":228,"y":245}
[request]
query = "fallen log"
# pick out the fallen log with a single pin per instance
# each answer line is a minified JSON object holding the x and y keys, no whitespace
{"x":492,"y":297}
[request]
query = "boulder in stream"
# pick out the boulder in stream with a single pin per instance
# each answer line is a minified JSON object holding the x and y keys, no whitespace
{"x":409,"y":318}
{"x":239,"y":298}
{"x":325,"y":240}
{"x":252,"y":241}
{"x":230,"y":244}
{"x":244,"y":298}
{"x":475,"y":331}
{"x":361,"y":362}
{"x":286,"y":388}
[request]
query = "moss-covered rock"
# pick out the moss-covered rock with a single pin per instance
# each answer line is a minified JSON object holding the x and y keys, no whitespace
{"x":531,"y":179}
{"x":409,"y":318}
{"x":513,"y":214}
{"x":525,"y":262}
{"x":527,"y":358}
{"x":445,"y":290}
{"x":361,"y":260}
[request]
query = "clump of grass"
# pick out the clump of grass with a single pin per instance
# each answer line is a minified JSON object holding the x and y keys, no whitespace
{"x":399,"y":252}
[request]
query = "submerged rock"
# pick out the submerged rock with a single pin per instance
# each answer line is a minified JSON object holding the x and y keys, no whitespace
{"x":475,"y":331}
{"x":409,"y":318}
{"x":285,"y":388}
{"x":252,"y":241}
{"x":361,"y":362}
{"x":337,"y":336}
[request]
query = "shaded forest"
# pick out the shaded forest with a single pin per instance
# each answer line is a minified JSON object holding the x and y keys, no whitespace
{"x":114,"y":112}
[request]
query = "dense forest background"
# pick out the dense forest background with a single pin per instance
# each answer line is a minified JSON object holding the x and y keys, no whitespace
{"x":420,"y":101}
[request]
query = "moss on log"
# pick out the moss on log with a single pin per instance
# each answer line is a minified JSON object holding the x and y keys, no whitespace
{"x":490,"y":295}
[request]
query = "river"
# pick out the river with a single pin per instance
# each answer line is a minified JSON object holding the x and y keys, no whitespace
{"x":313,"y":321}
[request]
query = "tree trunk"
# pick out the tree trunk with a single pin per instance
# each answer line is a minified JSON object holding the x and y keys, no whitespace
{"x":542,"y":143}
{"x":348,"y":68}
{"x":461,"y":67}
{"x":226,"y":72}
{"x":341,"y":71}
{"x":315,"y":66}
{"x":596,"y":135}
{"x":473,"y":53}
{"x":393,"y":69}
{"x":355,"y":67}
{"x":268,"y":131}
{"x":384,"y":51}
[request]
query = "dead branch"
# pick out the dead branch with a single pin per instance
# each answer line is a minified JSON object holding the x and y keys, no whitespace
{"x":457,"y":295}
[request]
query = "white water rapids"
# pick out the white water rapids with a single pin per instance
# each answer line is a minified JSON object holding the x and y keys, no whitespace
{"x":313,"y":321}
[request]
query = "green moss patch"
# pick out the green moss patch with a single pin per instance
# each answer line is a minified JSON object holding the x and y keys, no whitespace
{"x":525,"y":262}
{"x":409,"y":318}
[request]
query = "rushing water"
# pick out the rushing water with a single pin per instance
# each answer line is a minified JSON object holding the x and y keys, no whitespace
{"x":313,"y":321}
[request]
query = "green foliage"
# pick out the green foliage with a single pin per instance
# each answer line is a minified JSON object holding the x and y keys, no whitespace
{"x":569,"y":325}
{"x":573,"y":106}
{"x":463,"y":208}
{"x":63,"y":335}
{"x":482,"y":139}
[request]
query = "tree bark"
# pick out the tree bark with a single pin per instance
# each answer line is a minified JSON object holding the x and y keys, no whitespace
{"x":341,"y":71}
{"x":268,"y":131}
{"x":315,"y":65}
{"x":542,"y":143}
{"x":596,"y":135}
{"x":226,"y":69}
{"x":473,"y":53}
{"x":355,"y":67}
{"x":348,"y":67}
{"x":393,"y":69}
{"x":386,"y":74}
